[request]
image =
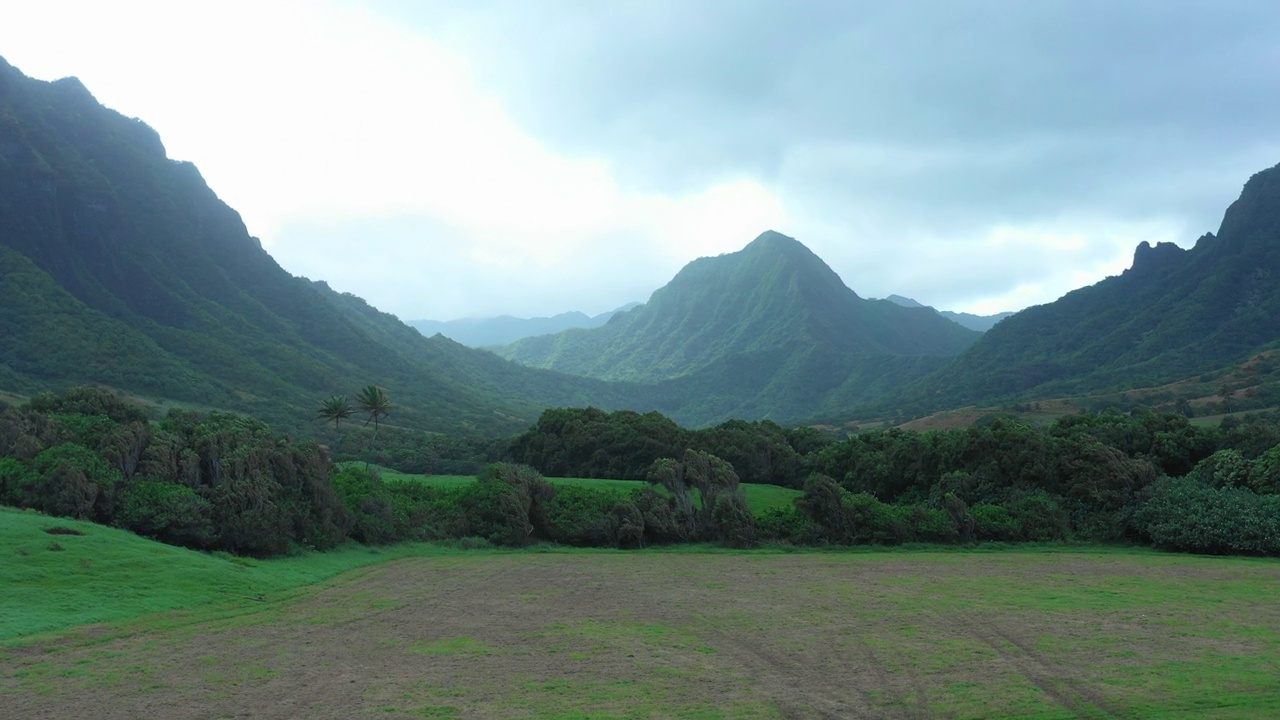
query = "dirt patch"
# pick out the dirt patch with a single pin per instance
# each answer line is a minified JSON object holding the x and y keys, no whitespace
{"x":644,"y":635}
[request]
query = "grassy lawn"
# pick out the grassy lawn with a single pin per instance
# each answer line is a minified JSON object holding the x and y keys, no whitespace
{"x":52,"y":582}
{"x":760,"y":498}
{"x":1043,"y":632}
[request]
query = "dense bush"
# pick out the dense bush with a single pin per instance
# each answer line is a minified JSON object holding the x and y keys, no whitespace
{"x":623,"y":445}
{"x":1189,"y":515}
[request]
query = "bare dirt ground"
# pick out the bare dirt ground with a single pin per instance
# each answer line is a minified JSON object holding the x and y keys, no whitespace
{"x":911,"y":635}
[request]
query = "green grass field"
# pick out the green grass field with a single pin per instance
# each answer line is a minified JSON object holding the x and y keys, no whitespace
{"x":52,"y":582}
{"x":1013,"y":632}
{"x":760,"y":498}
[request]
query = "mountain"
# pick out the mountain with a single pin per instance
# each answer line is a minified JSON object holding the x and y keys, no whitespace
{"x":773,"y":296}
{"x":504,"y":329}
{"x":1175,"y":313}
{"x":121,"y":266}
{"x":981,"y":323}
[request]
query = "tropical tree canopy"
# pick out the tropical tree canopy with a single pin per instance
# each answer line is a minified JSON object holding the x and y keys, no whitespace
{"x":373,"y":400}
{"x":336,"y":408}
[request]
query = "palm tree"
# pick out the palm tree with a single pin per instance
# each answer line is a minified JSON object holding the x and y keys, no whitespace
{"x":336,"y":409}
{"x":373,"y":400}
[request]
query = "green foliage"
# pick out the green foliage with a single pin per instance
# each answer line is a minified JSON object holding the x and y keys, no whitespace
{"x":583,"y":517}
{"x":1174,"y":314}
{"x":1188,"y":515}
{"x":169,"y":512}
{"x":336,"y":408}
{"x":507,"y":505}
{"x":774,"y":297}
{"x":1264,"y":476}
{"x":591,"y":443}
{"x":373,"y":401}
{"x":1225,"y":468}
{"x":217,"y":481}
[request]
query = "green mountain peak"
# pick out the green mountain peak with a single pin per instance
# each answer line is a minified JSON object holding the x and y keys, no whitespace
{"x":773,"y":296}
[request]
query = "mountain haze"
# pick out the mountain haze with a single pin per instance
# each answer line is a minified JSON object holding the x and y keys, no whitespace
{"x":504,"y":329}
{"x":981,"y":323}
{"x":773,"y":296}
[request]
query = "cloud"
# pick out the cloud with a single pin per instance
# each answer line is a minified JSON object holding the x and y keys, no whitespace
{"x":470,"y":158}
{"x":913,"y":127}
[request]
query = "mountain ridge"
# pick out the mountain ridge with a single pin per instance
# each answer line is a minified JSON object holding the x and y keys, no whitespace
{"x":138,"y":253}
{"x":773,"y":294}
{"x":503,"y":329}
{"x":1173,"y":313}
{"x":981,"y":323}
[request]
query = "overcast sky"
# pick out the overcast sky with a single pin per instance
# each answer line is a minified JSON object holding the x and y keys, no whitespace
{"x":529,"y":157}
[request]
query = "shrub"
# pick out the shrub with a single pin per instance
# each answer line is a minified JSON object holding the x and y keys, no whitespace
{"x":507,"y":504}
{"x":1040,"y":517}
{"x":994,"y":522}
{"x":585,"y":517}
{"x":168,"y":512}
{"x":1185,"y":514}
{"x":1225,"y":468}
{"x":1264,"y":476}
{"x":734,"y":522}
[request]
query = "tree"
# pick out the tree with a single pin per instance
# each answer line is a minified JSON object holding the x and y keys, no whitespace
{"x":373,"y":400}
{"x":336,"y":409}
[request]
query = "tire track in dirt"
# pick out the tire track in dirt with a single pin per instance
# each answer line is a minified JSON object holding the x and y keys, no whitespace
{"x":917,"y":710}
{"x":789,"y":685}
{"x":1072,"y":694}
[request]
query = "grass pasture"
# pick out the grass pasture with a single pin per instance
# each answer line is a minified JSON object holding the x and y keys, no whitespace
{"x":1017,"y":633}
{"x":54,"y":581}
{"x":760,"y":498}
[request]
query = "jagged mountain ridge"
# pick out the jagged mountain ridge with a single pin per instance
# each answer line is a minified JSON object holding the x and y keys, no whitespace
{"x":773,"y":295}
{"x":1174,"y":313}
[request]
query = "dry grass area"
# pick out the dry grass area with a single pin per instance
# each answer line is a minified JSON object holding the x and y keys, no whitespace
{"x":911,"y":634}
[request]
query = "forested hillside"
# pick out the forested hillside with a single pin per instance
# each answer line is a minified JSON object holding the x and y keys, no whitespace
{"x":122,"y":267}
{"x":772,"y":297}
{"x":1175,"y":313}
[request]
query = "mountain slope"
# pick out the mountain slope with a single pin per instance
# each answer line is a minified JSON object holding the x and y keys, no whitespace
{"x":505,"y":329}
{"x":1174,"y":313}
{"x":774,"y":295}
{"x":123,"y":267}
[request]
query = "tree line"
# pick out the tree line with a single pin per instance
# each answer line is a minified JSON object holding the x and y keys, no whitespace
{"x":218,"y":481}
{"x":623,"y":445}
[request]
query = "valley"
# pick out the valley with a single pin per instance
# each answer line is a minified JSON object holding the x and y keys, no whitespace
{"x":227,"y":490}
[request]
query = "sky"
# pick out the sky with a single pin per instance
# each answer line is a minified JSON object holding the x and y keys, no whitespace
{"x":472,"y":158}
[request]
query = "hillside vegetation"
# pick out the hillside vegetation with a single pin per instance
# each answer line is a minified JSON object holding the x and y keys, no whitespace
{"x":1175,"y":313}
{"x":773,"y":296}
{"x":122,"y":267}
